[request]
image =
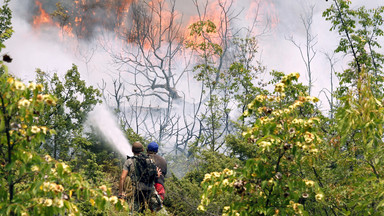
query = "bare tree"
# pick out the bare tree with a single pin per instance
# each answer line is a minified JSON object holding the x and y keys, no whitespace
{"x":150,"y":68}
{"x":307,"y":52}
{"x":332,"y":61}
{"x":155,"y":71}
{"x":216,"y":98}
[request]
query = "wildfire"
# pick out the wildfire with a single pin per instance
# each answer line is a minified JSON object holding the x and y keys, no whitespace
{"x":82,"y":18}
{"x":215,"y":15}
{"x":43,"y":18}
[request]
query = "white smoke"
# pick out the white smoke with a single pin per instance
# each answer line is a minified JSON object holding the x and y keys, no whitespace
{"x":106,"y":125}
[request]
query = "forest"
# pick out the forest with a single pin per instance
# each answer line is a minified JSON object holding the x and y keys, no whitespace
{"x":244,"y":143}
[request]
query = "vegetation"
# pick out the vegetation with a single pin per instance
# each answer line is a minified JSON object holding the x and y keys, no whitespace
{"x":282,"y":156}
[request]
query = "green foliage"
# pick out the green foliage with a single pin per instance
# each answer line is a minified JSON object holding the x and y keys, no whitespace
{"x":274,"y":182}
{"x":132,"y":137}
{"x":295,"y":168}
{"x":183,"y":194}
{"x":287,"y":160}
{"x":5,"y":23}
{"x":61,"y":14}
{"x":200,"y":43}
{"x":213,"y":80}
{"x":74,"y":101}
{"x":242,"y":73}
{"x":31,"y":184}
{"x":353,"y":163}
{"x":360,"y":30}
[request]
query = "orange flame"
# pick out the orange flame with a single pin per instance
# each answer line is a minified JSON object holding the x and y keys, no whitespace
{"x":214,"y":15}
{"x":43,"y":18}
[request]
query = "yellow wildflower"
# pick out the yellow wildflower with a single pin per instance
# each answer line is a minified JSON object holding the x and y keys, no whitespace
{"x":209,"y":188}
{"x":39,"y":97}
{"x":314,"y":99}
{"x":19,"y":85}
{"x":23,"y":103}
{"x":35,"y":168}
{"x":228,"y":172}
{"x":265,"y":144}
{"x":75,"y":209}
{"x":113,"y":200}
{"x":225,"y":182}
{"x":47,"y":158}
{"x":250,"y":105}
{"x":44,"y":129}
{"x":276,"y":113}
{"x":59,"y":188}
{"x":279,"y":87}
{"x":284,"y":79}
{"x":207,"y":177}
{"x":309,"y":137}
{"x":314,"y":151}
{"x":201,"y":208}
{"x":50,"y":101}
{"x":35,"y":129}
{"x":59,"y":203}
{"x":260,"y":110}
{"x":309,"y":183}
{"x":246,"y":113}
{"x":32,"y":86}
{"x":48,"y":202}
{"x":260,"y":98}
{"x":10,"y":80}
{"x":103,"y":188}
{"x":295,"y":121}
{"x":65,"y":167}
{"x":53,"y":171}
{"x":319,"y":197}
{"x":216,"y":174}
{"x":39,"y":87}
{"x":297,"y":75}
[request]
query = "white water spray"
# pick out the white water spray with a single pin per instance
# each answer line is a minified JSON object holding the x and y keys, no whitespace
{"x":105,"y":124}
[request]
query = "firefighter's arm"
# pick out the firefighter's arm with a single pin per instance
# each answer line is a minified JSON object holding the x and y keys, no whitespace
{"x":121,"y":183}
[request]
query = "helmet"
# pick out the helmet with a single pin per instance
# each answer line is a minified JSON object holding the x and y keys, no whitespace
{"x":137,"y":147}
{"x":153,"y":147}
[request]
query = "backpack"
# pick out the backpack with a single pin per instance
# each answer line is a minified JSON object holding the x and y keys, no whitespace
{"x":145,"y":169}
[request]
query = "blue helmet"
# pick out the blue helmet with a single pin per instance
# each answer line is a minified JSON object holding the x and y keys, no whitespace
{"x":153,"y":147}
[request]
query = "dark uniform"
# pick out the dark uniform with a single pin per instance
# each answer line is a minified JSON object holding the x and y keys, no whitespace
{"x":142,"y":191}
{"x":161,"y":163}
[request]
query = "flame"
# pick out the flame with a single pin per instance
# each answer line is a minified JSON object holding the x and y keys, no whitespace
{"x":215,"y":15}
{"x":114,"y":15}
{"x":43,"y":18}
{"x":122,"y":14}
{"x":68,"y":29}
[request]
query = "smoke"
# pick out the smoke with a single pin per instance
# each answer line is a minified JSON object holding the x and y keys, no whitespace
{"x":105,"y":124}
{"x":52,"y":49}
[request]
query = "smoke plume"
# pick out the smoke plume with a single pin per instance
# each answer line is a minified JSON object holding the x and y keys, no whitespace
{"x":105,"y":124}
